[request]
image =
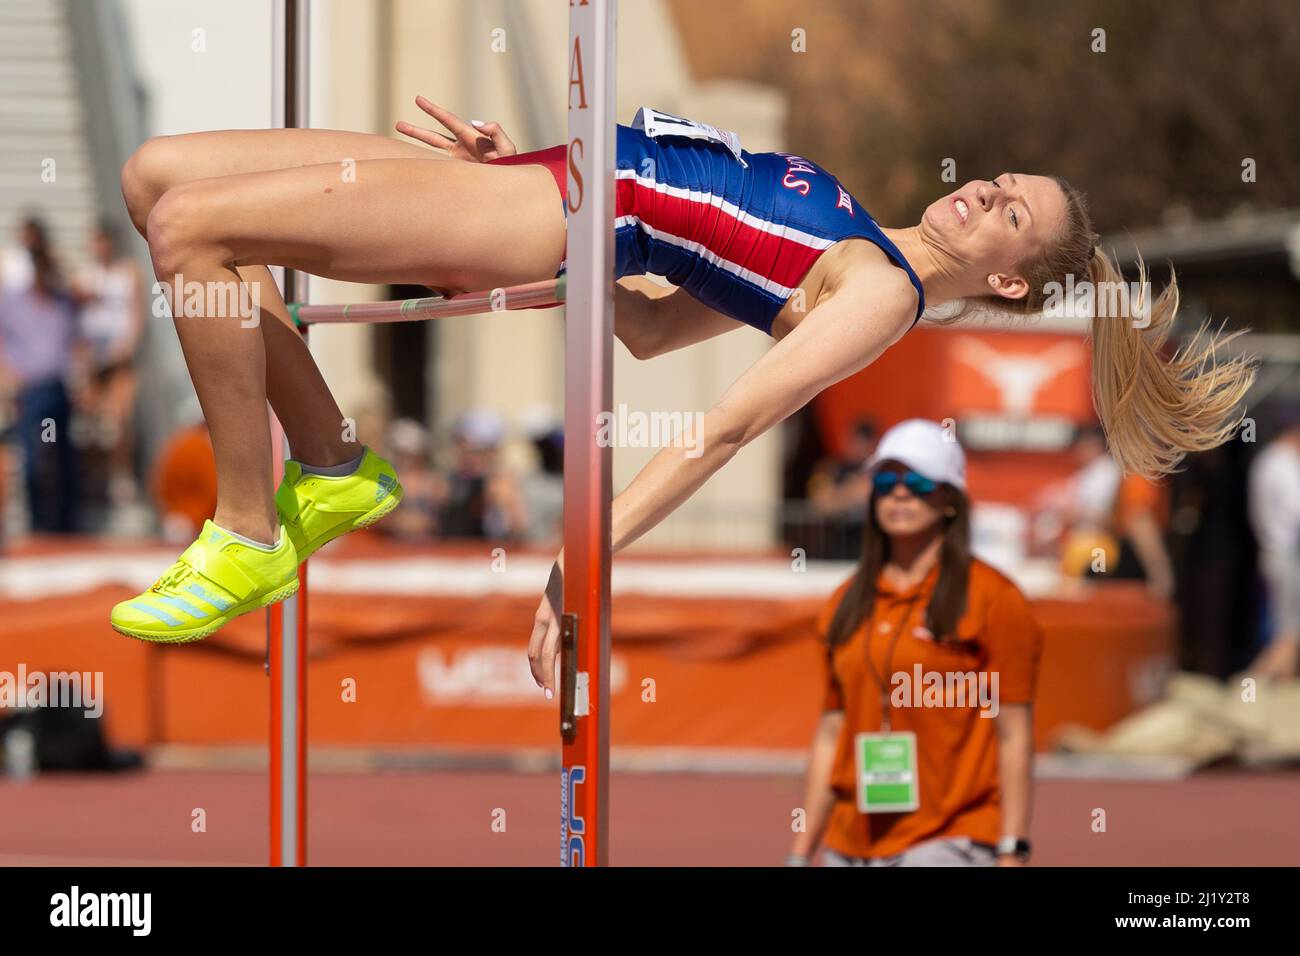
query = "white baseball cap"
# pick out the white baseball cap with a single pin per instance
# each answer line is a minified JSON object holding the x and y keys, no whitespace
{"x":926,"y":448}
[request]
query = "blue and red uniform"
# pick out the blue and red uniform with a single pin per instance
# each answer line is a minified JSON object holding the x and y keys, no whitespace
{"x":739,"y":235}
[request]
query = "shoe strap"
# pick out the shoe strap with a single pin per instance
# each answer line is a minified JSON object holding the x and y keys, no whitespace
{"x":220,"y":568}
{"x":286,"y":499}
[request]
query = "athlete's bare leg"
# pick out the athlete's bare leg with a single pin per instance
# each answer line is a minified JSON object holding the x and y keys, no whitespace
{"x":416,"y":220}
{"x":298,"y":393}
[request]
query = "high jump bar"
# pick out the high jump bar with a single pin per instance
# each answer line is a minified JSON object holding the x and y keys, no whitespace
{"x":534,"y":295}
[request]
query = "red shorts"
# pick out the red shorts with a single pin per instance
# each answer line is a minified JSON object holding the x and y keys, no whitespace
{"x":553,"y":159}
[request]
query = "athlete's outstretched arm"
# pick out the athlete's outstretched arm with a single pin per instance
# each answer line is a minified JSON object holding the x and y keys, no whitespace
{"x":840,"y":336}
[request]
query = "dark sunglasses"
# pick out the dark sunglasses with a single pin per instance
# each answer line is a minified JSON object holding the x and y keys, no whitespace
{"x":919,"y":485}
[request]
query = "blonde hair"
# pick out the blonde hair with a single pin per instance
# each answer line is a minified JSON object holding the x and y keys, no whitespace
{"x":1153,"y":408}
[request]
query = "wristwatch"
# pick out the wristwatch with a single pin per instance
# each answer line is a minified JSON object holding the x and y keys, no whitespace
{"x":1013,"y":846}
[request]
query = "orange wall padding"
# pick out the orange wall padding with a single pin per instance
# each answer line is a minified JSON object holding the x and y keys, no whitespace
{"x":726,"y":673}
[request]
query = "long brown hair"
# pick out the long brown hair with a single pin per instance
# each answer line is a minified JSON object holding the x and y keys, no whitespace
{"x":1154,"y":408}
{"x":947,"y":603}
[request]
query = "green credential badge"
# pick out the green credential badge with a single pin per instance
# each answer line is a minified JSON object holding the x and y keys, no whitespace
{"x":886,"y":769}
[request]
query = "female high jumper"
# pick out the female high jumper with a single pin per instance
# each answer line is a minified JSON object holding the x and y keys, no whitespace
{"x":769,"y":240}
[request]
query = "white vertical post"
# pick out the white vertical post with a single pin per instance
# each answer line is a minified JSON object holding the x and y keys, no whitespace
{"x":287,"y":621}
{"x":588,"y":364}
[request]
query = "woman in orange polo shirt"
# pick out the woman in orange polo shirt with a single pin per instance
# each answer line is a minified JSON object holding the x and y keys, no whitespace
{"x":924,"y":750}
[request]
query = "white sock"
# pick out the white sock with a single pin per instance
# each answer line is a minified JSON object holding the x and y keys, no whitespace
{"x":261,"y":546}
{"x":334,"y":471}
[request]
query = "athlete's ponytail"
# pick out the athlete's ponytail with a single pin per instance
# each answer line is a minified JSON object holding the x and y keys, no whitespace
{"x":1155,"y":409}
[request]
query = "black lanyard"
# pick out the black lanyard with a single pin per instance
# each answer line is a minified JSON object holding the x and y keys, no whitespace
{"x":885,"y":706}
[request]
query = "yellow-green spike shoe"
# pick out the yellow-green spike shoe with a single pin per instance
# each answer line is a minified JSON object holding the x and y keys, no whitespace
{"x":316,"y":509}
{"x":218,"y":578}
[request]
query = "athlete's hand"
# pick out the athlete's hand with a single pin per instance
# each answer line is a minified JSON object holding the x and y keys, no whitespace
{"x":475,"y":142}
{"x":544,"y":645}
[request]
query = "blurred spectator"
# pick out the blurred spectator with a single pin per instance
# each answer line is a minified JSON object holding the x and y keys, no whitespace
{"x":1081,"y":508}
{"x":543,"y":488}
{"x":110,"y":291}
{"x":838,"y":491}
{"x":16,"y":271}
{"x":1122,"y":517}
{"x":1215,"y":561}
{"x":38,"y":329}
{"x":1274,"y":503}
{"x":482,"y":501}
{"x":423,"y":490}
{"x":1142,"y":517}
{"x":840,"y":483}
{"x":185,"y":480}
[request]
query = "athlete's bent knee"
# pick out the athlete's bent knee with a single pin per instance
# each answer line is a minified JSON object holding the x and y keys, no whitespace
{"x":175,"y":228}
{"x":146,"y":176}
